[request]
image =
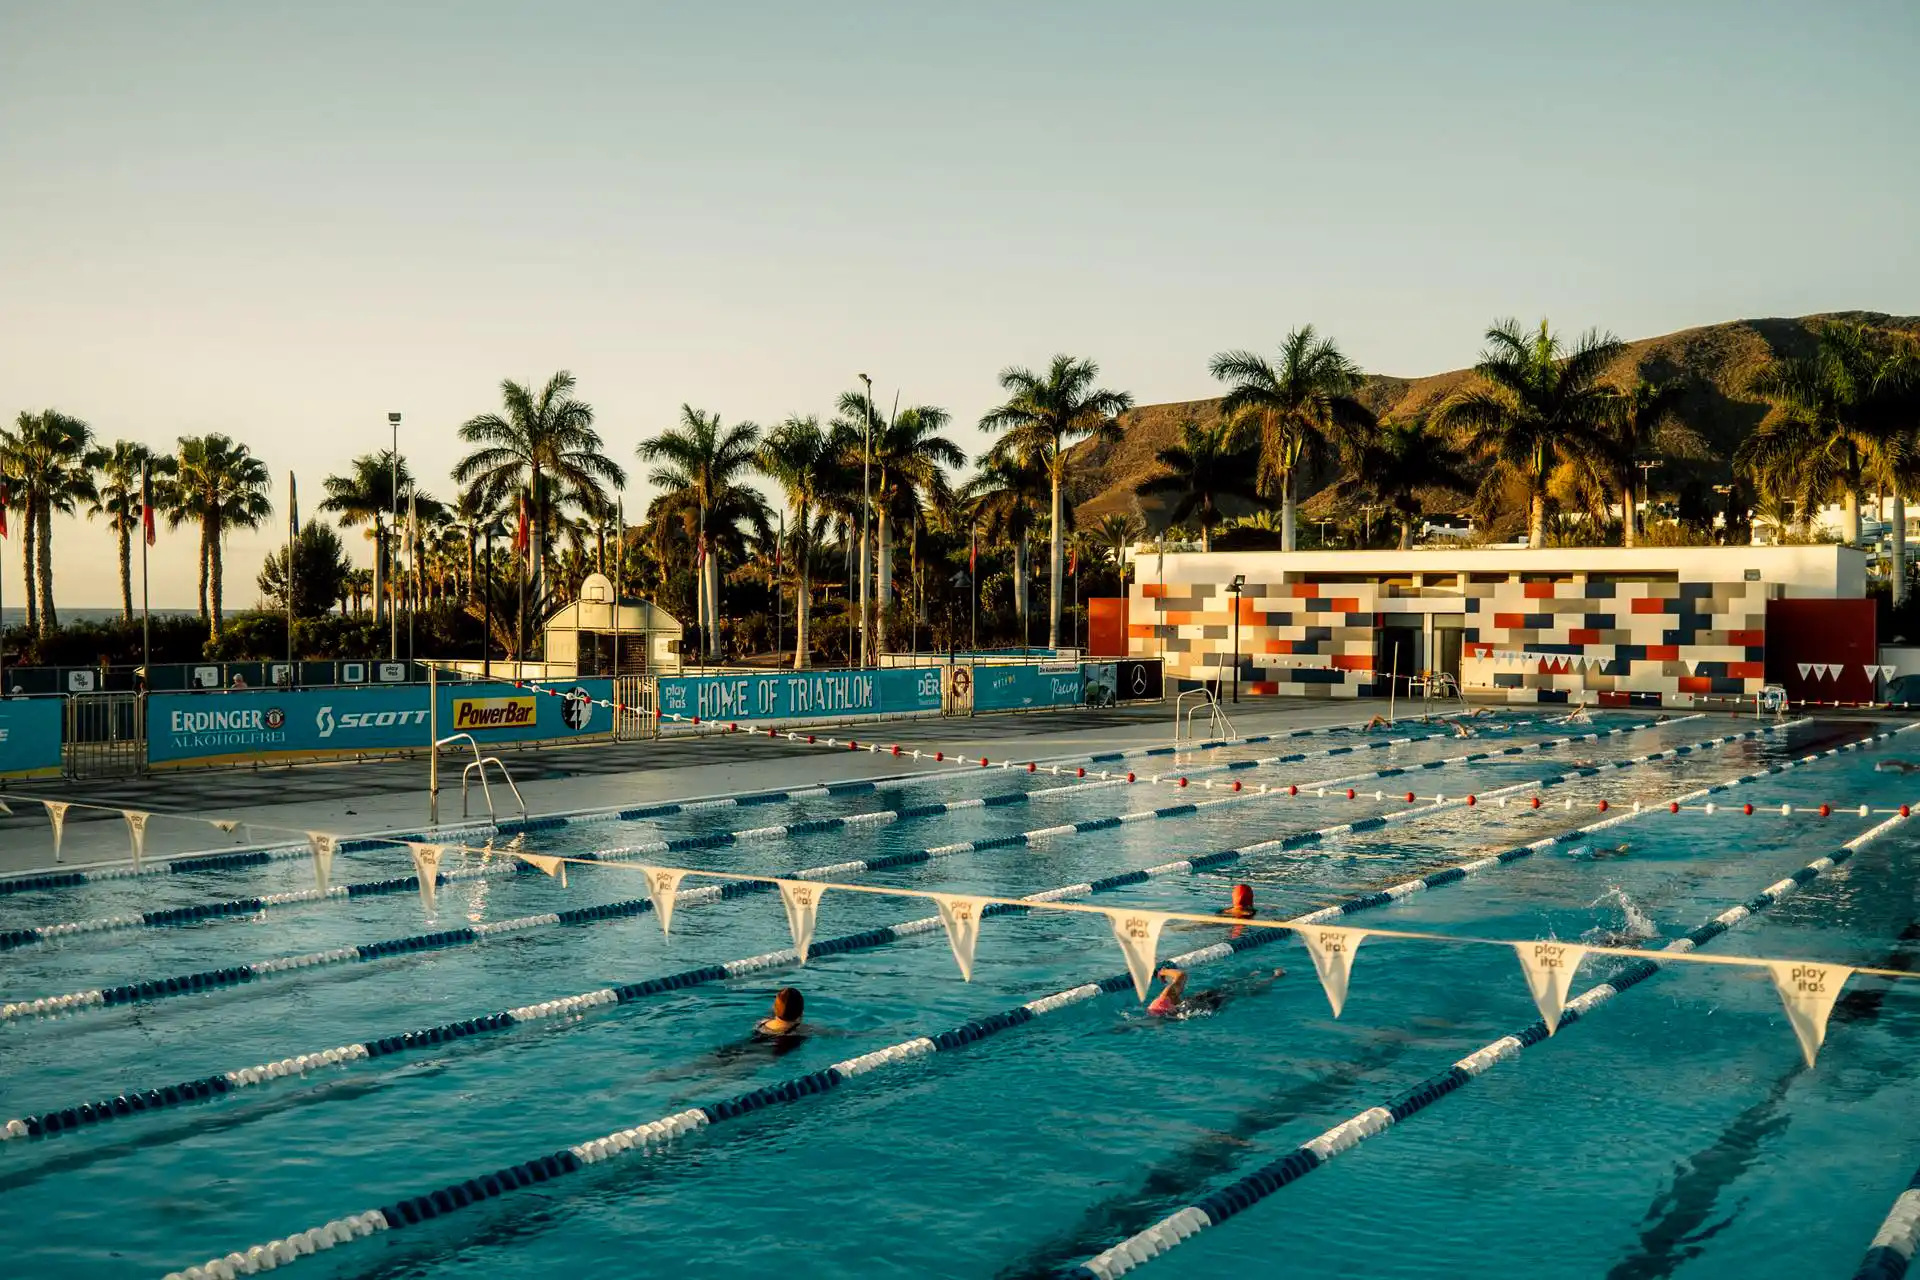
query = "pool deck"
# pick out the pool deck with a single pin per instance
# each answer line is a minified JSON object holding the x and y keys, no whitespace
{"x":391,"y":794}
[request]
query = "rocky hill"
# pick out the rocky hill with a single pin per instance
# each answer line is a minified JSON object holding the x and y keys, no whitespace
{"x":1715,"y":363}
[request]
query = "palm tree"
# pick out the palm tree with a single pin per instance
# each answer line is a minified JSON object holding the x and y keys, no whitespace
{"x":1849,"y":400}
{"x":1404,"y":461}
{"x":46,"y":457}
{"x":909,"y":457}
{"x":1210,"y":463}
{"x":1539,"y":405}
{"x":366,"y":495}
{"x":219,"y":485}
{"x":1044,"y":414}
{"x":796,"y":456}
{"x":545,"y":447}
{"x":1646,"y":422}
{"x":1003,"y":500}
{"x":1116,"y":533}
{"x":700,"y":461}
{"x":1304,"y":407}
{"x":123,"y":468}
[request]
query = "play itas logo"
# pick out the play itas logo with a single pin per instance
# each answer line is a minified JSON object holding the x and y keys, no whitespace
{"x":475,"y":715}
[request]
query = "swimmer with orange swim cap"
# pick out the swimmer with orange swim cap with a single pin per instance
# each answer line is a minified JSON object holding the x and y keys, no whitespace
{"x":1242,"y":908}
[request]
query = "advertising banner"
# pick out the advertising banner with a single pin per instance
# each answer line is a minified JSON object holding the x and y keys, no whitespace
{"x":263,"y":724}
{"x":1010,"y":688}
{"x":802,"y":695}
{"x":30,"y":730}
{"x":1099,"y":678}
{"x":1139,"y":680}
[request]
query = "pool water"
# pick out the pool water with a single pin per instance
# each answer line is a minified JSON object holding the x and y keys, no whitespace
{"x":1675,"y":1131}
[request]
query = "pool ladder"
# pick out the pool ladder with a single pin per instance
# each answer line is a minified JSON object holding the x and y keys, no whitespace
{"x":477,"y":765}
{"x":1218,"y":726}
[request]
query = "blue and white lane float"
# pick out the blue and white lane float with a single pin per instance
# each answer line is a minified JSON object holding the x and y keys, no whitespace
{"x":209,"y":980}
{"x":1892,"y":1250}
{"x":1217,"y":1207}
{"x":254,"y":908}
{"x":651,"y":1136}
{"x":63,"y":1119}
{"x":235,"y":859}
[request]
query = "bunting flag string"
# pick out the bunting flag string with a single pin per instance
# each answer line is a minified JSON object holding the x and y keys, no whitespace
{"x":802,"y":901}
{"x":1808,"y":991}
{"x":6,"y":808}
{"x":961,"y":917}
{"x":1332,"y":951}
{"x":137,"y":830}
{"x":426,"y":867}
{"x":663,"y":886}
{"x":1549,"y":966}
{"x":553,"y":866}
{"x":57,"y":814}
{"x":324,"y":847}
{"x":1138,"y":933}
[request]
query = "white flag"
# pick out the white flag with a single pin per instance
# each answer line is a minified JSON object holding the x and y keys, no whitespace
{"x":961,"y":916}
{"x":546,"y":862}
{"x":1138,"y":933}
{"x":227,"y":825}
{"x":324,"y":847}
{"x":57,"y":814}
{"x":6,"y":808}
{"x":663,"y":886}
{"x":1831,"y":670}
{"x":137,"y":828}
{"x":1808,"y":991}
{"x":1549,"y":967}
{"x":1332,"y":951}
{"x":426,"y":865}
{"x":1804,"y":668}
{"x":802,"y":901}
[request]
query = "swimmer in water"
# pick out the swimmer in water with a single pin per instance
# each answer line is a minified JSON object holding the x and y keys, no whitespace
{"x":789,"y":1006}
{"x":1378,"y":722}
{"x":1895,"y":766}
{"x":1462,"y":730}
{"x":1174,"y":1002}
{"x":1242,"y":906}
{"x":1597,"y":853}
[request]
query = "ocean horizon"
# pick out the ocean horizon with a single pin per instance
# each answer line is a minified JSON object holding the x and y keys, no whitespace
{"x":14,"y":617}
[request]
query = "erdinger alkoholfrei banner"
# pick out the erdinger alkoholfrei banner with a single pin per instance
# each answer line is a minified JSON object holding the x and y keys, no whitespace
{"x":803,"y":695}
{"x":30,"y":730}
{"x":217,"y":727}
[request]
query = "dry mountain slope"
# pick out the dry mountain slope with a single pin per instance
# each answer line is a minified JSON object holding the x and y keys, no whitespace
{"x":1715,"y":363}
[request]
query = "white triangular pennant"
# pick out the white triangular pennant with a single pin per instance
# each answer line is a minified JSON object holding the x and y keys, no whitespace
{"x":1804,"y":668}
{"x":324,"y":847}
{"x":426,"y":865}
{"x":1332,"y":951}
{"x":57,"y":814}
{"x":961,"y":916}
{"x":663,"y":886}
{"x":802,"y":901}
{"x":1808,"y":992}
{"x":1549,"y":966}
{"x":1138,"y":933}
{"x":137,"y":829}
{"x":1889,"y":672}
{"x":1873,"y":671}
{"x":1831,"y":671}
{"x":6,"y":808}
{"x":228,"y":825}
{"x":553,"y":866}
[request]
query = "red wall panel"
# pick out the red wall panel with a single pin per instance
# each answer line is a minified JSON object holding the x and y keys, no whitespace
{"x":1822,"y":633}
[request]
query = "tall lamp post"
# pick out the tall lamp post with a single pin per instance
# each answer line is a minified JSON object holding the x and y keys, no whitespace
{"x":393,"y":485}
{"x":1233,"y":589}
{"x":1646,"y":492}
{"x":866,"y":518}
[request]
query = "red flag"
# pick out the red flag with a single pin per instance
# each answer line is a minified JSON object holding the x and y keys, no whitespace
{"x":973,"y":552}
{"x":1073,"y":562}
{"x":146,"y":505}
{"x":520,"y":536}
{"x":700,"y":551}
{"x":3,"y":510}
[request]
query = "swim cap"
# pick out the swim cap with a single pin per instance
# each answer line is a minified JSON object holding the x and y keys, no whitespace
{"x":1243,"y":895}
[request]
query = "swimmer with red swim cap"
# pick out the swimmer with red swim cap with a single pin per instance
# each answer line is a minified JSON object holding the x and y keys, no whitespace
{"x":1242,"y":908}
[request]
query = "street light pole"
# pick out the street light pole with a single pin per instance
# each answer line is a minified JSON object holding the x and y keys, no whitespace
{"x":1234,"y":588}
{"x":866,"y":519}
{"x":393,"y":615}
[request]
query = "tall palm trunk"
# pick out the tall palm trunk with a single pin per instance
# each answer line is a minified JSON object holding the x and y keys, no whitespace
{"x":1630,"y":509}
{"x":126,"y":572}
{"x":1020,"y":587}
{"x":49,"y":616}
{"x":1537,"y":519}
{"x":802,"y":612}
{"x":1288,"y":512}
{"x":1850,"y":516}
{"x":1057,"y":569}
{"x":712,"y":575}
{"x":215,"y":567}
{"x":30,"y":559}
{"x":883,"y":574}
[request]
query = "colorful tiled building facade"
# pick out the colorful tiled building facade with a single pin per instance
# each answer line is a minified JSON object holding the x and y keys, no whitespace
{"x":1607,"y":626}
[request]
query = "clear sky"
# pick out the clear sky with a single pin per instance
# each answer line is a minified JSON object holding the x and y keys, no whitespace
{"x":282,"y":220}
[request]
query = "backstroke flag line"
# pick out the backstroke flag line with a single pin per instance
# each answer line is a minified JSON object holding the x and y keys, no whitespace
{"x":802,"y":901}
{"x":57,"y":814}
{"x":1138,"y":933}
{"x":1549,"y":968}
{"x":137,"y":829}
{"x":961,"y":916}
{"x":663,"y":886}
{"x":553,"y":866}
{"x":324,"y":847}
{"x":1332,"y":951}
{"x":1808,"y":991}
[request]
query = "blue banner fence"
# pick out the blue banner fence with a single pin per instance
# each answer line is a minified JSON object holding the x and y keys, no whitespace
{"x":31,"y":731}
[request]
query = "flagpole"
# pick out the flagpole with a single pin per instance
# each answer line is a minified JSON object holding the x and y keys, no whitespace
{"x":973,"y":585}
{"x":779,"y":596}
{"x":146,"y":614}
{"x":619,"y":554}
{"x":293,"y":535}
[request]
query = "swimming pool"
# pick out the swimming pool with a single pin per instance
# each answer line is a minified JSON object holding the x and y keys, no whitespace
{"x":1673,"y":1131}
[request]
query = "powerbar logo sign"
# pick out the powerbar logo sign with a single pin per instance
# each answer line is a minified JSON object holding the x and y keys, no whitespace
{"x":348,"y":721}
{"x":248,"y":727}
{"x":477,"y":714}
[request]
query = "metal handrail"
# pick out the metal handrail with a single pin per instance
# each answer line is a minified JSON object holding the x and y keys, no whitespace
{"x":1218,"y":726}
{"x":478,"y":764}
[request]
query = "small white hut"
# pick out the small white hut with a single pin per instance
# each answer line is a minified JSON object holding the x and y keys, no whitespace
{"x":595,"y":636}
